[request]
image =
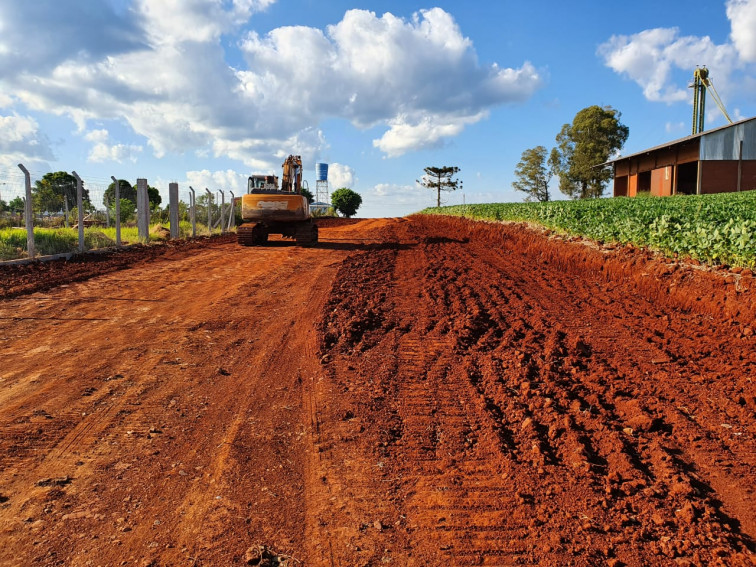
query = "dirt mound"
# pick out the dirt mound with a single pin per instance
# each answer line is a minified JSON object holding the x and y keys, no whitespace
{"x":531,"y":399}
{"x":20,"y":279}
{"x":330,"y":222}
{"x":160,"y":232}
{"x":419,"y":392}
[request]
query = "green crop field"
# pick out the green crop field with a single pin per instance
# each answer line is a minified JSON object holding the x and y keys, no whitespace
{"x":715,"y":229}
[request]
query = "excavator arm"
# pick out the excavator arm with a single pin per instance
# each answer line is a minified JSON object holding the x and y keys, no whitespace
{"x":292,"y":175}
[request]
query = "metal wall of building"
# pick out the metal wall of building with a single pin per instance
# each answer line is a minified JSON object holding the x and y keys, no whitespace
{"x":724,"y":144}
{"x":723,"y":160}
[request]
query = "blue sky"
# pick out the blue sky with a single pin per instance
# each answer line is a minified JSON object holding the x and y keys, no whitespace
{"x":206,"y":92}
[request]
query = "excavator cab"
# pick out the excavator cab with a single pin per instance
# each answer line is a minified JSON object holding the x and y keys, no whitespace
{"x":262,"y":183}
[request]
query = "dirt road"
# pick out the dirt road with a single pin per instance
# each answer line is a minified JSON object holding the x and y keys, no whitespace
{"x":410,"y":392}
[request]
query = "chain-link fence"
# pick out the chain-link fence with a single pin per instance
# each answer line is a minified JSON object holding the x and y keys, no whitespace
{"x":46,"y":213}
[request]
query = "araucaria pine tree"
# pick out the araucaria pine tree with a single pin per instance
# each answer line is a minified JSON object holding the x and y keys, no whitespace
{"x":440,"y":179}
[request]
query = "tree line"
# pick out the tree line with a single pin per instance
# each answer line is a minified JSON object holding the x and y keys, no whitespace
{"x":592,"y":138}
{"x":57,"y":191}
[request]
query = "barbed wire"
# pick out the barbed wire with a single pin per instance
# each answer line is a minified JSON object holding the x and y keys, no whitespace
{"x":13,"y":185}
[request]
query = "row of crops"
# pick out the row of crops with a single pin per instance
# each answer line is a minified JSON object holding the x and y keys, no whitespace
{"x":716,"y":229}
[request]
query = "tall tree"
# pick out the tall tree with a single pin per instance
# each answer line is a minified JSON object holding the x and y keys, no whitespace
{"x":48,"y":192}
{"x":346,"y":201}
{"x":154,"y":196}
{"x":205,"y":201}
{"x":440,"y":179}
{"x":128,"y":191}
{"x":45,"y":199}
{"x":594,"y":135}
{"x":533,"y":174}
{"x":17,"y":205}
{"x":126,"y":209}
{"x":125,"y":191}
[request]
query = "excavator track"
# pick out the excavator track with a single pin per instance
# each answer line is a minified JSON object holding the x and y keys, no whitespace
{"x":252,"y":234}
{"x":306,"y":234}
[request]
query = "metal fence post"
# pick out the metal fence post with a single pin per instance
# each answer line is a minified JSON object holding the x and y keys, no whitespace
{"x":28,"y":213}
{"x":143,"y":210}
{"x":209,"y":211}
{"x":80,"y":206}
{"x":193,"y":211}
{"x":173,"y":209}
{"x":117,"y":187}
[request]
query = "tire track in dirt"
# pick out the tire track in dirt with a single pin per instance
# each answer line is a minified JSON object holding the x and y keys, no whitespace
{"x":485,"y":395}
{"x":461,"y":465}
{"x":570,"y":447}
{"x":176,"y":432}
{"x":641,"y":410}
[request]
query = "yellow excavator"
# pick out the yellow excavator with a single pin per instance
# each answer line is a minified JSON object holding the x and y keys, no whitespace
{"x":266,"y":209}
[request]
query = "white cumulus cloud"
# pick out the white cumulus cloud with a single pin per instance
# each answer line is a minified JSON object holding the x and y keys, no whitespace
{"x":662,"y":60}
{"x":103,"y":151}
{"x":228,"y":180}
{"x":421,"y":132}
{"x":420,"y":77}
{"x":742,"y":15}
{"x":162,"y":67}
{"x":20,"y":139}
{"x":175,"y":21}
{"x":650,"y":57}
{"x":340,"y":175}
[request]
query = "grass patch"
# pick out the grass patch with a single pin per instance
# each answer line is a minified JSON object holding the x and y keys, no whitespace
{"x":48,"y":241}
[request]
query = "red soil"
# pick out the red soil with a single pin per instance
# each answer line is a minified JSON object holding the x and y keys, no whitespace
{"x":423,"y":391}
